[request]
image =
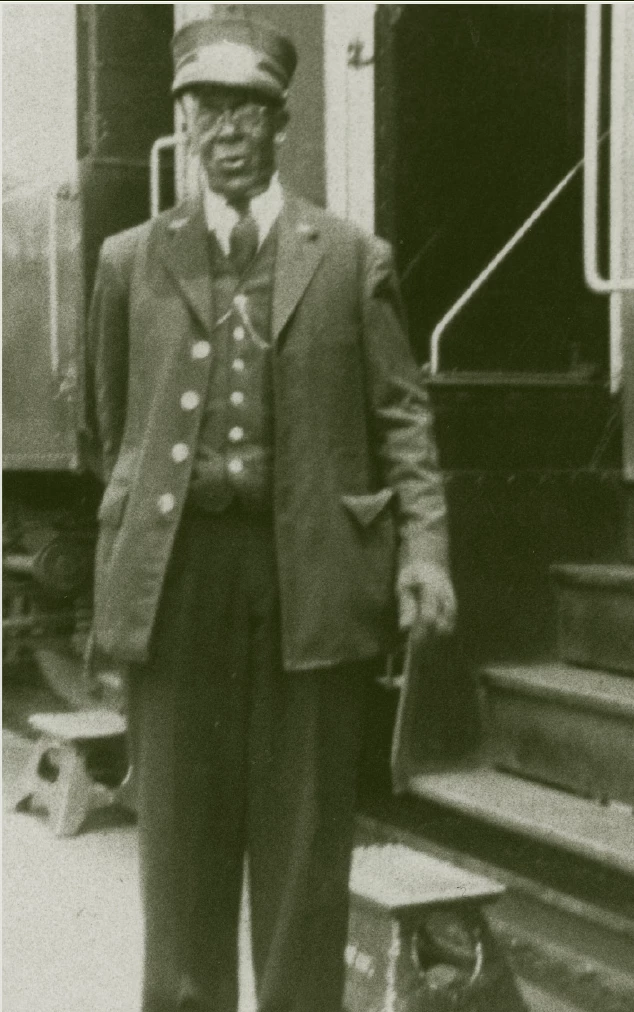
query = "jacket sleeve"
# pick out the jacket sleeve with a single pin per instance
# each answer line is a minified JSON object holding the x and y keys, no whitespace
{"x":106,"y":366}
{"x":401,"y":416}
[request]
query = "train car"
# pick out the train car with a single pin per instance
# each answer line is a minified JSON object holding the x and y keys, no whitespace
{"x":75,"y":169}
{"x":493,"y":145}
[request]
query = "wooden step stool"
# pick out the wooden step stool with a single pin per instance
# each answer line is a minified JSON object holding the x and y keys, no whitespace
{"x":418,"y":940}
{"x":57,"y":777}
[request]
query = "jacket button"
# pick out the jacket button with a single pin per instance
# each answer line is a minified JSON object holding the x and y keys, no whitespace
{"x":166,"y":503}
{"x":190,"y":400}
{"x":180,"y":452}
{"x":201,"y":349}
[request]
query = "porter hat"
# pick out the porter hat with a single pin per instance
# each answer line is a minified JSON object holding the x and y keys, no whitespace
{"x":234,"y":51}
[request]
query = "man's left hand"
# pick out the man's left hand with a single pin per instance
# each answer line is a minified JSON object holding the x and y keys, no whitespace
{"x":427,"y":602}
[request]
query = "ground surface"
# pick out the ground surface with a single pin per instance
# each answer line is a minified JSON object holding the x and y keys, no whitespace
{"x":71,"y":913}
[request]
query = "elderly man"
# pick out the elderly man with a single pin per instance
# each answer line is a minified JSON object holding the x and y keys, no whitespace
{"x":272,"y":502}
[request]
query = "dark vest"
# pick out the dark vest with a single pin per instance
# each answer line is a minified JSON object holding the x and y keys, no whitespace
{"x":234,"y":456}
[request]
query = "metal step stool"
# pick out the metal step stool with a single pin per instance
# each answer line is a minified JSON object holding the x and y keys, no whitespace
{"x":57,"y":777}
{"x":418,"y":940}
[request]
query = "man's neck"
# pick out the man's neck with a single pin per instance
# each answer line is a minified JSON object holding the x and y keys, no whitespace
{"x":241,"y":205}
{"x":222,"y":215}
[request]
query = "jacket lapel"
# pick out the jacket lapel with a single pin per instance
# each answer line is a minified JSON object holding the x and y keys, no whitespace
{"x":184,"y":252}
{"x":299,"y":250}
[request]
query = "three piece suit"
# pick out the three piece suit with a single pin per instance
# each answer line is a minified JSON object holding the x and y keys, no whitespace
{"x":250,"y":632}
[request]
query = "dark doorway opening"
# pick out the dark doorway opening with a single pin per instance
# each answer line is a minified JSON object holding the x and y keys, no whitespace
{"x":479,"y":116}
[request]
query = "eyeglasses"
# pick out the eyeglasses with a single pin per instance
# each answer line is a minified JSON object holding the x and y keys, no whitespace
{"x":248,"y":116}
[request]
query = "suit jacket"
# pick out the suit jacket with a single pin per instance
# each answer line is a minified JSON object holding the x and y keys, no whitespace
{"x":356,"y":482}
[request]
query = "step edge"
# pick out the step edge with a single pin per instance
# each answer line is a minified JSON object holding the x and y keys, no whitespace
{"x":594,"y":574}
{"x":517,"y":680}
{"x":502,"y":378}
{"x":621,"y":860}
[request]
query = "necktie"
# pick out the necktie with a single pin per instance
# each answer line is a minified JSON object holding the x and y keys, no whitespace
{"x":243,"y":243}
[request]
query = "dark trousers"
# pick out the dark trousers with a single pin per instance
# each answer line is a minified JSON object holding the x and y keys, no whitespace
{"x":235,"y":756}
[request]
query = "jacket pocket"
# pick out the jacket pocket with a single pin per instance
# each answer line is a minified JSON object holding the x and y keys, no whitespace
{"x":366,"y":508}
{"x":113,"y":505}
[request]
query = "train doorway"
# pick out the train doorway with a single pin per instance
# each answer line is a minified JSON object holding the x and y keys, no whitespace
{"x":480,"y":117}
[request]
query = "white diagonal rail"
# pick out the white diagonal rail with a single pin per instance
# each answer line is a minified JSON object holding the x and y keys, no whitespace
{"x":441,"y":327}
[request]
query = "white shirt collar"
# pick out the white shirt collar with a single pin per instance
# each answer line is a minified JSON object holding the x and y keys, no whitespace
{"x":264,"y":208}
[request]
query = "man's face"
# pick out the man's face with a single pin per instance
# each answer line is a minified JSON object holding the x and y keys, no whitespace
{"x":234,"y":132}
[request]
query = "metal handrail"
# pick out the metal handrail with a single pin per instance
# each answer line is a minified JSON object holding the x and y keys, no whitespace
{"x":53,"y":290}
{"x":594,"y":279}
{"x":440,"y":328}
{"x":160,"y":145}
{"x":590,"y":164}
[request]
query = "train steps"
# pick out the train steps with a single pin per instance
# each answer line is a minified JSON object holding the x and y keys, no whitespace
{"x":602,"y":833}
{"x":595,"y":615}
{"x":563,"y":726}
{"x":551,"y":795}
{"x":558,"y":759}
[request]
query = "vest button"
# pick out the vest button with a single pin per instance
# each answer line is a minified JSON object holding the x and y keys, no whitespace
{"x":237,"y":398}
{"x":201,"y":349}
{"x":166,"y":503}
{"x":238,"y":365}
{"x":236,"y":465}
{"x":190,"y":400}
{"x":239,"y":333}
{"x":180,"y":452}
{"x":236,"y":434}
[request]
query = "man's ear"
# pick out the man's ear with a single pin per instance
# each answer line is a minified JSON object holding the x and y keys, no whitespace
{"x":189,"y":106}
{"x":280,"y":121}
